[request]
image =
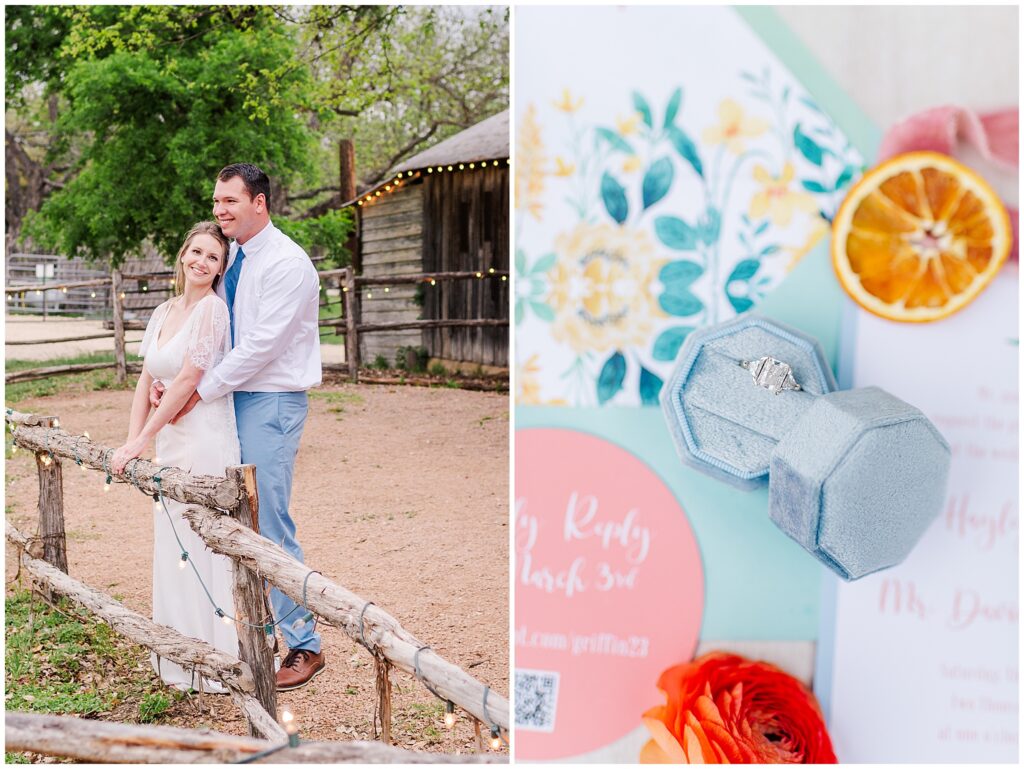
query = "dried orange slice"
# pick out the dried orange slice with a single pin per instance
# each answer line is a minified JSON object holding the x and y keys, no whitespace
{"x":919,"y":237}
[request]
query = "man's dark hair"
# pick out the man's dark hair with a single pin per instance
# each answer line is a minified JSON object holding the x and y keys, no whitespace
{"x":256,"y":182}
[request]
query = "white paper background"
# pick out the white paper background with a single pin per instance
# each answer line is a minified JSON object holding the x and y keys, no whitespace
{"x":926,"y":654}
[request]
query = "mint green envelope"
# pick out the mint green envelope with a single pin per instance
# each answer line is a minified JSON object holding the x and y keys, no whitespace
{"x":760,"y":585}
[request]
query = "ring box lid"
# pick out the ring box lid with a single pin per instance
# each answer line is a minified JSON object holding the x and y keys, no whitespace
{"x":722,"y":423}
{"x":858,"y":479}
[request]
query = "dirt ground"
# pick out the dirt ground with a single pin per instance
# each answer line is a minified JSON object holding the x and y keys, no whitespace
{"x":401,"y":495}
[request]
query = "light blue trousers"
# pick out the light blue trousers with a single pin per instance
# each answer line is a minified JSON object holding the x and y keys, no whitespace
{"x":269,"y":428}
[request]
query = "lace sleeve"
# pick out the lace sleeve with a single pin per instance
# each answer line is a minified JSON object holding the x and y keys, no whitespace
{"x":151,"y":328}
{"x":208,"y":339}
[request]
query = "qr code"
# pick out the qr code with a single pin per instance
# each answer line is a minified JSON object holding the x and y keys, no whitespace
{"x":536,"y":699}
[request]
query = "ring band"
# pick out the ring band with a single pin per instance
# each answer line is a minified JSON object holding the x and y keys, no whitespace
{"x":771,"y":374}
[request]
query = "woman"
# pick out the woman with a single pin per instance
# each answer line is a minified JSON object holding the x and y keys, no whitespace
{"x":186,"y":336}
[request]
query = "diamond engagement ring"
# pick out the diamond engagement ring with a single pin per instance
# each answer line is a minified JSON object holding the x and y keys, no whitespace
{"x":773,"y":375}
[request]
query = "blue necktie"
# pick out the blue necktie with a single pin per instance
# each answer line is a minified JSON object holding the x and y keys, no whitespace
{"x":230,"y":284}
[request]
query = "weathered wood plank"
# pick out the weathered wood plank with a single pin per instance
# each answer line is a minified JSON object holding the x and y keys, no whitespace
{"x":118,"y":318}
{"x":254,"y":645}
{"x":344,"y":608}
{"x":165,"y":641}
{"x":206,"y":490}
{"x":51,"y":504}
{"x":105,"y":742}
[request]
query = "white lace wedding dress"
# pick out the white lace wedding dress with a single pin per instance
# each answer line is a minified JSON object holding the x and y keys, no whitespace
{"x":204,"y":442}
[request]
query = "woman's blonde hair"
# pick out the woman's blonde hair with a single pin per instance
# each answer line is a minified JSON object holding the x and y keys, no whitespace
{"x":203,"y":228}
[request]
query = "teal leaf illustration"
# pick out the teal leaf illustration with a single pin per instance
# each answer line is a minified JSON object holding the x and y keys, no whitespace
{"x":677,"y":299}
{"x":650,"y":387}
{"x":745,"y":270}
{"x":739,"y":303}
{"x":616,"y":141}
{"x":675,"y":233}
{"x":657,"y":181}
{"x":812,"y":186}
{"x":769,"y":250}
{"x":807,"y":146}
{"x":845,"y":176}
{"x":686,"y":148}
{"x":614,"y":197}
{"x":543,"y":264}
{"x":762,"y":227}
{"x":520,"y":261}
{"x":673,"y":107}
{"x":542,"y":311}
{"x":710,"y":225}
{"x":640,"y":105}
{"x":609,"y":381}
{"x":666,"y":346}
{"x":520,"y":311}
{"x":741,"y":273}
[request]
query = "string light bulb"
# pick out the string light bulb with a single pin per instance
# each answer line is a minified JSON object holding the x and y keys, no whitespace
{"x":449,"y":714}
{"x":461,"y":167}
{"x":39,"y":293}
{"x":433,"y":282}
{"x":64,"y":290}
{"x":490,"y":270}
{"x":430,"y":170}
{"x":92,"y":294}
{"x":387,"y":290}
{"x":479,"y":274}
{"x":449,"y":168}
{"x":290,"y":727}
{"x":495,"y":738}
{"x":14,"y":448}
{"x":183,"y":561}
{"x":106,"y":484}
{"x":369,"y":295}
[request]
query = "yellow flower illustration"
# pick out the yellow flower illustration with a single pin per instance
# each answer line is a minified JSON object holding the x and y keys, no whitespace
{"x":602,"y":288}
{"x":567,"y":103}
{"x":631,"y":164}
{"x":530,"y":162}
{"x":776,"y":199}
{"x":628,"y":125}
{"x":528,"y":385}
{"x":564,"y":168}
{"x":734,"y":127}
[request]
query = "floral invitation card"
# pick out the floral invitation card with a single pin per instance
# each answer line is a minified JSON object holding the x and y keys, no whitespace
{"x":670,"y":171}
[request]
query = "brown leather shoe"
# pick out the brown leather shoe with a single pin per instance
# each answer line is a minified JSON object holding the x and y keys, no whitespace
{"x":299,"y":668}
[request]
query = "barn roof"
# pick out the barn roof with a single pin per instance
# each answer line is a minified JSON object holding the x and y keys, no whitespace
{"x":487,"y":140}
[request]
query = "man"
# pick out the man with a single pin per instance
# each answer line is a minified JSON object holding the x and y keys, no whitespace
{"x":273,"y":295}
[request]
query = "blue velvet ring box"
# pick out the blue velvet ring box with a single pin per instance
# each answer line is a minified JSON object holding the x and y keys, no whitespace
{"x":854,"y":476}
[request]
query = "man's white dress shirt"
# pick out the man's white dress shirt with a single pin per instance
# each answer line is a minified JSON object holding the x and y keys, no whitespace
{"x":277,"y":303}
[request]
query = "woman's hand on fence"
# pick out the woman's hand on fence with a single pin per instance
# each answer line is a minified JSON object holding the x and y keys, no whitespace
{"x":156,"y":392}
{"x":129,"y":451}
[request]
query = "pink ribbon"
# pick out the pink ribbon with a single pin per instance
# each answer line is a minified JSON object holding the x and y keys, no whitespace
{"x":993,"y":134}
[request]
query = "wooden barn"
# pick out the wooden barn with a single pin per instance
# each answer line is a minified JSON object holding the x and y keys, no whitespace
{"x":443,"y":210}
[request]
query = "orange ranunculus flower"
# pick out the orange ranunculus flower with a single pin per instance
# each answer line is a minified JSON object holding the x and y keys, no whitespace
{"x":724,"y":709}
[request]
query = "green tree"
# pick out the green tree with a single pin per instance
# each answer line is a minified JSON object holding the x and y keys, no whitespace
{"x":162,"y":97}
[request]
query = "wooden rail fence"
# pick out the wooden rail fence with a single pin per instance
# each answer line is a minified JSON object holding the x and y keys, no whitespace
{"x":104,"y":742}
{"x":347,"y":324}
{"x":220,"y":511}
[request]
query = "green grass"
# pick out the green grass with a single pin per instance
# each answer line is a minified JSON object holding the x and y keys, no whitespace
{"x":331,"y":335}
{"x":59,"y":660}
{"x":337,"y":400}
{"x":103,"y":379}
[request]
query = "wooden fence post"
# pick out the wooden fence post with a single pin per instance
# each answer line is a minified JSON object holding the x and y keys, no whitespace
{"x":255,"y":647}
{"x":351,"y":310}
{"x":51,"y":505}
{"x":118,"y":308}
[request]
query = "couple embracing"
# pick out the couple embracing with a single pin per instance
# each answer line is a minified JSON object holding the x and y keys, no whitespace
{"x":227,"y":364}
